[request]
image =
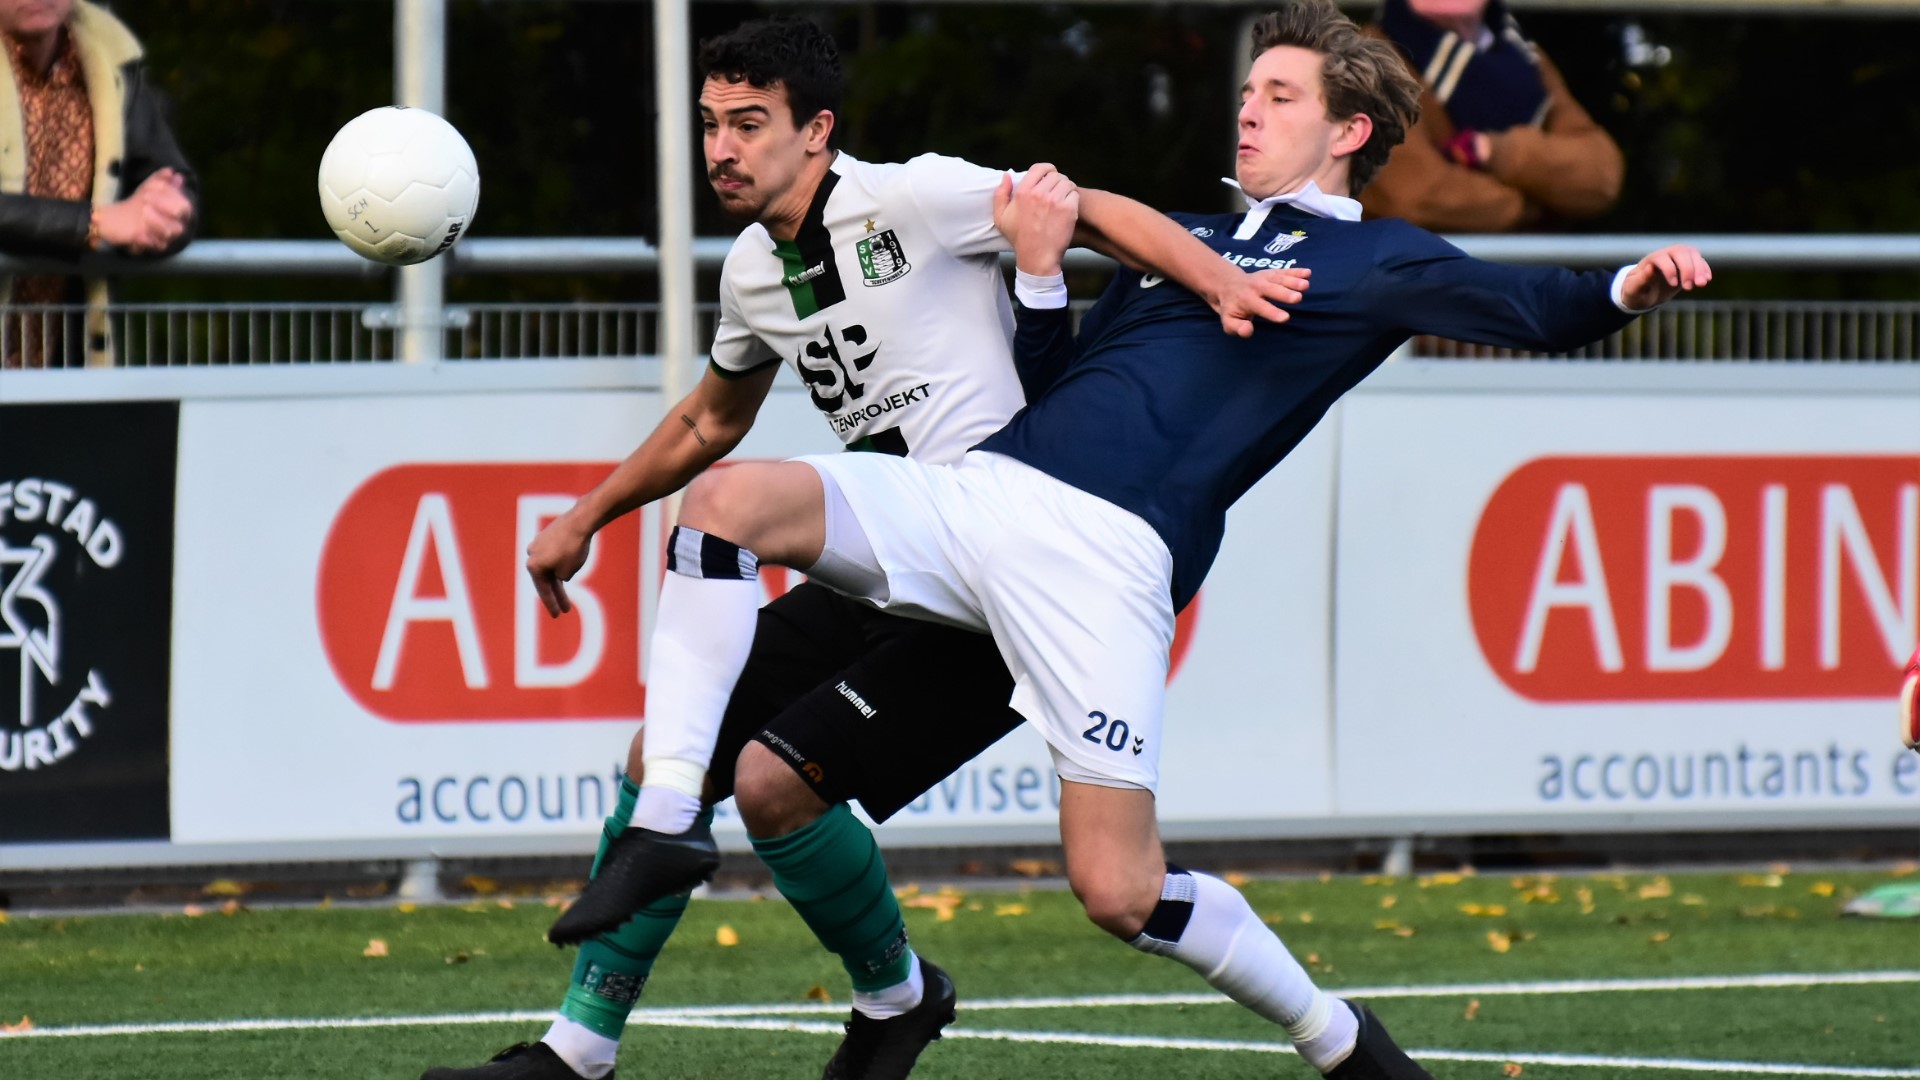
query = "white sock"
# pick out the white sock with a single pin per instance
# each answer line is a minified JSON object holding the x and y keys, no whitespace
{"x":585,"y":1050}
{"x":1233,"y":950}
{"x":703,"y":632}
{"x":895,"y":999}
{"x":663,"y":809}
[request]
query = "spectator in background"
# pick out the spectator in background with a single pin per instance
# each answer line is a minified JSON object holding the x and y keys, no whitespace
{"x":1501,"y":145}
{"x":87,"y":162}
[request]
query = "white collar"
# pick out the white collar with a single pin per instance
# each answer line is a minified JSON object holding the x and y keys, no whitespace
{"x":1309,"y":198}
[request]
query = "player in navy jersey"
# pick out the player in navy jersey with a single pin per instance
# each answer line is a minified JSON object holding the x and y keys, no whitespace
{"x":1075,"y":533}
{"x":880,"y":284}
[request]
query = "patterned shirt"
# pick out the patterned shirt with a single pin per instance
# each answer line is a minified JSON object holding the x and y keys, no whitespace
{"x":59,"y":130}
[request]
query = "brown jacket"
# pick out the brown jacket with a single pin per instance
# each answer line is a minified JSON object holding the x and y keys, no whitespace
{"x":1569,"y":167}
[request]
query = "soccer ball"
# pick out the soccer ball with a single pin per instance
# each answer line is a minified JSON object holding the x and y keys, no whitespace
{"x":399,"y":185}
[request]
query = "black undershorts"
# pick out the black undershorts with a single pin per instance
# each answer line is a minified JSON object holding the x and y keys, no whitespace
{"x":863,"y":705}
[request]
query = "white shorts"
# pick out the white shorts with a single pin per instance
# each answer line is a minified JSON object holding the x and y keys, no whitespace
{"x":1075,"y":591}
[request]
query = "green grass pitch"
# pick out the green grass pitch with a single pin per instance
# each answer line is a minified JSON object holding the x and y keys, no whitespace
{"x":1417,"y":939}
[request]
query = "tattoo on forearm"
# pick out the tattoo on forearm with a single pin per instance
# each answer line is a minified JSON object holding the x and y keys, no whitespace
{"x":688,"y":420}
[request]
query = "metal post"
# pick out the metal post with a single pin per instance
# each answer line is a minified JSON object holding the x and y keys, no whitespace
{"x":420,"y":82}
{"x":1398,"y":861}
{"x":672,"y":79}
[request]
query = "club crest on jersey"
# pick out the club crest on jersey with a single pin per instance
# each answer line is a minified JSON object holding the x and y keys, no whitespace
{"x":881,"y":258}
{"x":1201,"y":231}
{"x":1284,"y":241}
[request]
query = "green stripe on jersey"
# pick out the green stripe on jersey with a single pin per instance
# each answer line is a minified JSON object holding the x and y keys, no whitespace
{"x":798,"y":277}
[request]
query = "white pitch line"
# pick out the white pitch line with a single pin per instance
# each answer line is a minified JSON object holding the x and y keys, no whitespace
{"x":764,"y":1018}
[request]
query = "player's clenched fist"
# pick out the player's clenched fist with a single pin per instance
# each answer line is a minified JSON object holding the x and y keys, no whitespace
{"x":556,"y":554}
{"x":1038,"y":217}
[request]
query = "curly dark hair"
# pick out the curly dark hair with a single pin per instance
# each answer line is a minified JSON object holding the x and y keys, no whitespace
{"x":790,"y":53}
{"x":1358,"y":74}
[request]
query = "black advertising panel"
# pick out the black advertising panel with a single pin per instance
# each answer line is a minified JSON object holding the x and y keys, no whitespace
{"x":86,"y":614}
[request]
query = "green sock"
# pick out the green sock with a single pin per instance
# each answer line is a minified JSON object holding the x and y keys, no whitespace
{"x":612,"y":969}
{"x":832,"y":874}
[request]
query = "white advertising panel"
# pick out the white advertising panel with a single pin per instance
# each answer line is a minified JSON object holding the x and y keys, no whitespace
{"x":358,"y":655}
{"x":1562,"y":605}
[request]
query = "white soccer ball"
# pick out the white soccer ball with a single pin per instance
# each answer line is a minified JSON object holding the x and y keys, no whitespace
{"x":399,"y":185}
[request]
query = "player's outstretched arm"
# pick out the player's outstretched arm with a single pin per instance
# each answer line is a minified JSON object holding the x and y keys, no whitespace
{"x":706,"y":425}
{"x":1144,"y":238}
{"x":1663,"y":275}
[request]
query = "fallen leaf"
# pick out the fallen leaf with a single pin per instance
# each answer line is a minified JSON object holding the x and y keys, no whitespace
{"x":459,"y":958}
{"x":1492,"y":911}
{"x":1511,"y":1068}
{"x":1658,"y":889}
{"x":1660,"y":937}
{"x":326,"y":903}
{"x":1585,"y":896}
{"x":3,"y":918}
{"x":1276,"y":917}
{"x":1236,"y":879}
{"x":484,"y":886}
{"x":139,"y":967}
{"x":192,"y":911}
{"x":406,"y":907}
{"x":1433,"y":880}
{"x":906,"y":892}
{"x":1306,"y":916}
{"x":1760,"y":881}
{"x":1034,"y":868}
{"x":375,"y":947}
{"x":941,"y":904}
{"x":1780,"y":868}
{"x":816,"y":992}
{"x":1403,"y":931}
{"x":25,"y":1024}
{"x":1313,"y":958}
{"x":1385,"y":924}
{"x":1694,"y":900}
{"x":1010,"y":909}
{"x":976,"y":906}
{"x":1822,"y":888}
{"x":1473,"y":1009}
{"x":1903,"y":869}
{"x":505,"y":903}
{"x":1377,"y":879}
{"x":1499,"y":941}
{"x":231,"y":907}
{"x":726,"y":936}
{"x":224,"y":887}
{"x":555,"y":901}
{"x":1326,"y":876}
{"x":1389,"y":900}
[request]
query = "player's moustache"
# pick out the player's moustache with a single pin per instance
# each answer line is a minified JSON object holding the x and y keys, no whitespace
{"x":724,"y":172}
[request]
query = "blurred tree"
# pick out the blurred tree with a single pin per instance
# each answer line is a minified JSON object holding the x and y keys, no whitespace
{"x":1753,"y":123}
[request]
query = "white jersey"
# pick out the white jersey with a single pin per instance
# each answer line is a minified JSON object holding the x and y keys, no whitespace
{"x":889,"y":304}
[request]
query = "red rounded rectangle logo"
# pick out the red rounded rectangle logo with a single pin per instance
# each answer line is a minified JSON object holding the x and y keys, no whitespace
{"x":1699,"y":578}
{"x":427,"y":614}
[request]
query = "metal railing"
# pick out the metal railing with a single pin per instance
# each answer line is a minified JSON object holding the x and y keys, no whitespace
{"x":233,"y":334}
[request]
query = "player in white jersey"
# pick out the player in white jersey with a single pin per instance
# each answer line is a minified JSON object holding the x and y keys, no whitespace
{"x":1075,"y":532}
{"x":881,"y":285}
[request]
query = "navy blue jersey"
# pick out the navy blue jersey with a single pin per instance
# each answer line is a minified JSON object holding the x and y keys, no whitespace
{"x":1156,"y":410}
